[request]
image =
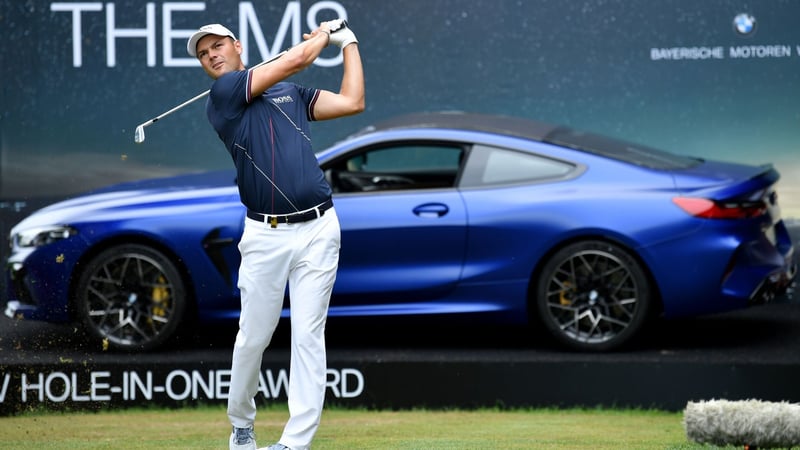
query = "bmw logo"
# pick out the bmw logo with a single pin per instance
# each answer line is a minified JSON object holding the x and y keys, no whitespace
{"x":744,"y":24}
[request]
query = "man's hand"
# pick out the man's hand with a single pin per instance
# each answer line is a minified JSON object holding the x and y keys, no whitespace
{"x":324,"y":29}
{"x":341,"y":34}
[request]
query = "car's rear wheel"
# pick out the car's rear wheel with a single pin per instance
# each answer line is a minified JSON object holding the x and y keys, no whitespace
{"x":131,"y":297}
{"x":593,"y":295}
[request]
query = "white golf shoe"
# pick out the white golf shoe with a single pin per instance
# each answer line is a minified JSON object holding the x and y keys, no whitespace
{"x":277,"y":446}
{"x":243,"y":439}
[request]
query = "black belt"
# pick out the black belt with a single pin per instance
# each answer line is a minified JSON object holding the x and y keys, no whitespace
{"x":302,"y":216}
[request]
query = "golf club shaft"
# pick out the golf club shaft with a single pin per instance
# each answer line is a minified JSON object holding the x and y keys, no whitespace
{"x":139,"y":135}
{"x":187,"y":102}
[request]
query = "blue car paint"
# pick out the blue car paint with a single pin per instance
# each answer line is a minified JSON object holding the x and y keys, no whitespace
{"x":450,"y":251}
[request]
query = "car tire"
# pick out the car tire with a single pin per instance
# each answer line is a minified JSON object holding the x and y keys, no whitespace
{"x":131,"y":297}
{"x":593,"y":296}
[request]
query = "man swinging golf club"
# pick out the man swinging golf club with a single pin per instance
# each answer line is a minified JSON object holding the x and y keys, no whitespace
{"x":291,"y":231}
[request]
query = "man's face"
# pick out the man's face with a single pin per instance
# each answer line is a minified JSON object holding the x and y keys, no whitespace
{"x":219,"y":55}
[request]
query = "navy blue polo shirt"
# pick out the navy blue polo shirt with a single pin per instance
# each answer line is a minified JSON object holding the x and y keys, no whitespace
{"x":268,"y":136}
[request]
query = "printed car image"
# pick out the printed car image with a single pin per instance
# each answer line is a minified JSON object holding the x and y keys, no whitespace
{"x":451,"y":217}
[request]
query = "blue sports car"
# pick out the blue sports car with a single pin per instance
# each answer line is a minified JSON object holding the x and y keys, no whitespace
{"x":445,"y":216}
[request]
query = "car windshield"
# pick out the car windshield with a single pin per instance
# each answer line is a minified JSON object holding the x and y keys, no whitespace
{"x":637,"y":154}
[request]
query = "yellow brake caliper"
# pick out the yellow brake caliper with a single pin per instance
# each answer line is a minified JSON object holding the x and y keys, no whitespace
{"x":563,"y":297}
{"x":160,"y":298}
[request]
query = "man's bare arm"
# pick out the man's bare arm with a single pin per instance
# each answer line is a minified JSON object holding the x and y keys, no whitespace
{"x":351,"y":98}
{"x":295,"y":60}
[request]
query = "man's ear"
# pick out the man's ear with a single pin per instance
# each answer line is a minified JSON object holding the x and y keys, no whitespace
{"x":238,"y":46}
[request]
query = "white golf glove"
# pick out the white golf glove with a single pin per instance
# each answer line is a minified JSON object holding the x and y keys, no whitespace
{"x":341,"y":34}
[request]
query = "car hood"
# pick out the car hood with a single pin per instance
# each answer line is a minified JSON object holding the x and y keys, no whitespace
{"x":203,"y":180}
{"x":138,"y":198}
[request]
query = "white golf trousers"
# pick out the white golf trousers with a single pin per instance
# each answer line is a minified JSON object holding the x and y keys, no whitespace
{"x":306,"y":255}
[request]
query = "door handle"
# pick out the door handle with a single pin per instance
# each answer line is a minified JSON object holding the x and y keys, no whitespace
{"x":431,"y":210}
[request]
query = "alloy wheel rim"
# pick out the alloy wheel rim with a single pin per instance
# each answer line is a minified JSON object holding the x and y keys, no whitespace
{"x":592,"y":297}
{"x":130,"y":299}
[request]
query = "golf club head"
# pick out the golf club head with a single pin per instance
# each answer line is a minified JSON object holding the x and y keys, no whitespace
{"x":138,"y":136}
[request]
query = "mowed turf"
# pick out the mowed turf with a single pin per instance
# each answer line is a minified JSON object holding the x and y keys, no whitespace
{"x":207,"y":428}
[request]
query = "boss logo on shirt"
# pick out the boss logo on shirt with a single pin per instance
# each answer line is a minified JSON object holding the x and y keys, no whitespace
{"x":283,"y":99}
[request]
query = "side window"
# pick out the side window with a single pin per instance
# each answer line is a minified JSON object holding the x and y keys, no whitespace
{"x":395,"y":167}
{"x":495,"y":166}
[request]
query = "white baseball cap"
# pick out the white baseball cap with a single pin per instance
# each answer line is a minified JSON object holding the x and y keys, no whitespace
{"x":205,"y":30}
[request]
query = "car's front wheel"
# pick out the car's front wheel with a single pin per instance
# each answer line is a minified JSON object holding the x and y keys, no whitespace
{"x":131,"y":297}
{"x":593,"y":295}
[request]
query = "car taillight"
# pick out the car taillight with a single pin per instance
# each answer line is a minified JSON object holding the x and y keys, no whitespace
{"x":709,"y":209}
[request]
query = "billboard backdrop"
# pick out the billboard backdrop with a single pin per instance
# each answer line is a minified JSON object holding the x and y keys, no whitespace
{"x":717,"y":79}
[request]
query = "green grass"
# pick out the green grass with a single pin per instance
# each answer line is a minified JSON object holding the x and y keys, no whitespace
{"x":207,"y":428}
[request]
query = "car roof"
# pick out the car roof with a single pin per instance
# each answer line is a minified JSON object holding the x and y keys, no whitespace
{"x":537,"y":131}
{"x":504,"y":125}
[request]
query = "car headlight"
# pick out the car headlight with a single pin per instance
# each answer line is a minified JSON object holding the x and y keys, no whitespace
{"x":37,"y":237}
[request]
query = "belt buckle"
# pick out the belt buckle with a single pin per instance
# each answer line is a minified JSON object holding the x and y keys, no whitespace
{"x":273,"y":222}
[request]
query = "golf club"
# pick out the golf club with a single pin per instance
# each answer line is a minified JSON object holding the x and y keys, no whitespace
{"x":138,"y":135}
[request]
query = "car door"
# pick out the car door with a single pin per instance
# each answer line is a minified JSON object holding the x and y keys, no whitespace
{"x":403,"y":225}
